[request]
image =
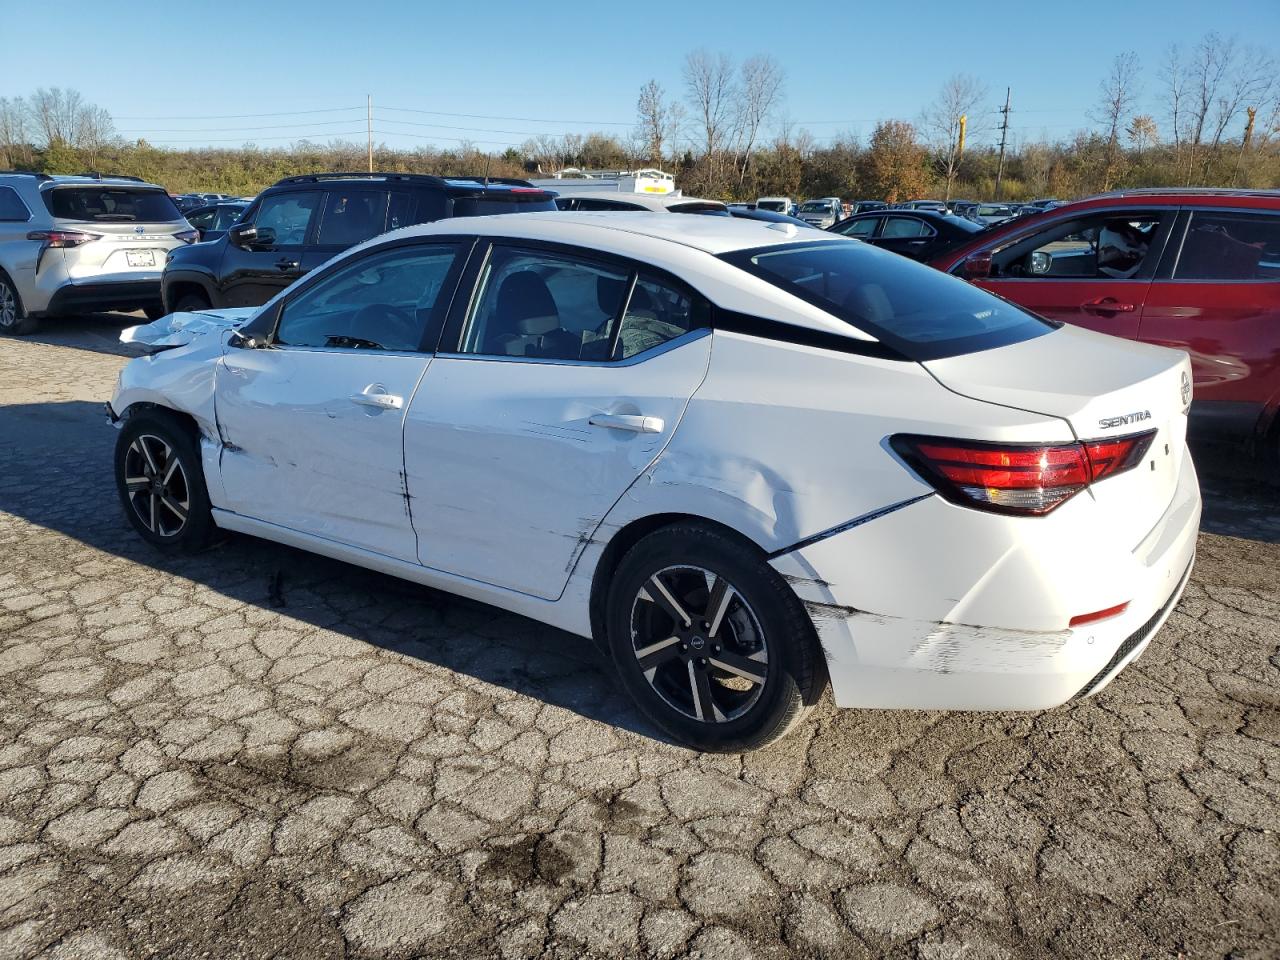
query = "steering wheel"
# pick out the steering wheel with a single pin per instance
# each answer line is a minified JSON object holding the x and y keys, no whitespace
{"x":386,"y":324}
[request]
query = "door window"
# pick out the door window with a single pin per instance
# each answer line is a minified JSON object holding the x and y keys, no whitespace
{"x":352,"y":217}
{"x":1230,"y":246}
{"x":861,"y":228}
{"x":905,"y":228}
{"x":381,"y":302}
{"x":544,"y":305}
{"x":1105,"y":246}
{"x":656,"y":313}
{"x":288,"y":215}
{"x":204,"y":219}
{"x":228,"y":217}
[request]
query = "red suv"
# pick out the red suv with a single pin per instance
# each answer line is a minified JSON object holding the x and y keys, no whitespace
{"x":1194,"y":269}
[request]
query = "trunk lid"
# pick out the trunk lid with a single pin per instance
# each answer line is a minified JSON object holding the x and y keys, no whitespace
{"x":1103,"y":387}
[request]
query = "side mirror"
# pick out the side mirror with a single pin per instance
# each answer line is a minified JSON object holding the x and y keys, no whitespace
{"x":1040,"y":263}
{"x":977,"y":267}
{"x":248,"y":237}
{"x":242,"y":341}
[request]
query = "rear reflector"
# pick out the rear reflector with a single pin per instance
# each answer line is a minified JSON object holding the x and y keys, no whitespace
{"x":1084,"y":618}
{"x":1016,"y":478}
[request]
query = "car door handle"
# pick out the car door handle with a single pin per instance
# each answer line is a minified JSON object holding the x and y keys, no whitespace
{"x":1107,"y":305}
{"x":286,"y":264}
{"x":623,"y":421}
{"x":383,"y":401}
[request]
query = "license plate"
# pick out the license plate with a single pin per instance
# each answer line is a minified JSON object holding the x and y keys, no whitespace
{"x":140,"y":258}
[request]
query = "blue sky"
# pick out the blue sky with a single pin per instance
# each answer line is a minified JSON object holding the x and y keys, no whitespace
{"x":579,"y":66}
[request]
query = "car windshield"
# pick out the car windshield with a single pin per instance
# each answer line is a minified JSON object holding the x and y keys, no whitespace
{"x":120,"y":204}
{"x":816,"y":206}
{"x":994,"y":212}
{"x":918,"y":311}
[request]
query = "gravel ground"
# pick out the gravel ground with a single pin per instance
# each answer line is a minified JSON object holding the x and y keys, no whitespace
{"x":260,"y":753}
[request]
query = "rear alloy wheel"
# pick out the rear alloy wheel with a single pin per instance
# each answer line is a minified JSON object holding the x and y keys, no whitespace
{"x":191,"y":302}
{"x":12,"y":321}
{"x":713,"y":646}
{"x":160,"y":483}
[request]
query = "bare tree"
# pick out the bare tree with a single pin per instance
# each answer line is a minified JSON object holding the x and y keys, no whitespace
{"x":64,"y":118}
{"x":761,"y":91}
{"x":709,"y":82}
{"x":1116,"y":96}
{"x":659,"y":124}
{"x":961,"y":96}
{"x":15,"y":132}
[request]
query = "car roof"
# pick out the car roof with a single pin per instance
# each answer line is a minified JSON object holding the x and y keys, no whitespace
{"x":653,"y":201}
{"x":687,"y":246}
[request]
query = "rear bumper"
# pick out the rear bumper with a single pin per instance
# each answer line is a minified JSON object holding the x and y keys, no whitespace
{"x":939,"y":607}
{"x":90,"y":297}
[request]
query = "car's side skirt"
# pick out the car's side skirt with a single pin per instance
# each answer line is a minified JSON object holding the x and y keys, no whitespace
{"x":569,"y":613}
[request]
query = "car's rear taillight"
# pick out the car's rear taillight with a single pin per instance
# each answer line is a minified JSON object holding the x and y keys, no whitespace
{"x":187,"y":236}
{"x":62,"y":238}
{"x":1017,"y":478}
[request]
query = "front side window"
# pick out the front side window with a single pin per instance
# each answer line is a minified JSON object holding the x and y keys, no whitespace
{"x":544,"y":305}
{"x":352,"y":217}
{"x":861,"y":228}
{"x":227,"y":217}
{"x":1105,"y":246}
{"x":918,"y":311}
{"x":111,"y":205}
{"x":384,"y":301}
{"x":288,"y":215}
{"x":1230,"y":246}
{"x":905,"y":227}
{"x":11,"y":206}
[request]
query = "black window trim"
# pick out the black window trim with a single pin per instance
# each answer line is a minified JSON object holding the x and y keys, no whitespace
{"x":1188,"y":215}
{"x":17,"y":196}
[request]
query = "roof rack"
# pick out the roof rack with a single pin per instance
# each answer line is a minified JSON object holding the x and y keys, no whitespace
{"x":25,"y":173}
{"x":319,"y":177}
{"x":1183,"y":191}
{"x":503,"y":181}
{"x":95,"y":175}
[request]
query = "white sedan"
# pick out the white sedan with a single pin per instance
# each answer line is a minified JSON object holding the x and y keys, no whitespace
{"x":745,"y":458}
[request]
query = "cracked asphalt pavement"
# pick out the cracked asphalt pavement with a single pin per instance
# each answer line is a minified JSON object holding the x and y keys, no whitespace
{"x":256,"y":753}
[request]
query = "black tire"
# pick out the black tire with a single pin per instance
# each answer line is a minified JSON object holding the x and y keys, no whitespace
{"x":13,"y":319}
{"x":760,"y":630}
{"x":173,"y":516}
{"x":189,"y":302}
{"x":155,"y":313}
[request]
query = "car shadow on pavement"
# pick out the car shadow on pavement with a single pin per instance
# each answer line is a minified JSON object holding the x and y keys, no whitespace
{"x":1241,"y":491}
{"x":56,"y":473}
{"x":95,"y":332}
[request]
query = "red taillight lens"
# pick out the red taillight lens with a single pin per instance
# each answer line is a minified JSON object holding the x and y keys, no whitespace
{"x":1024,"y":479}
{"x":62,"y":238}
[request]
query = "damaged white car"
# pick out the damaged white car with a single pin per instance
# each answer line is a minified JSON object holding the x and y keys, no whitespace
{"x":744,"y":458}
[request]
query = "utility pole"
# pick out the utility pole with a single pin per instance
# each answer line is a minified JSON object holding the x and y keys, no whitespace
{"x":1004,"y":136}
{"x":1244,"y":142}
{"x":369,"y":115}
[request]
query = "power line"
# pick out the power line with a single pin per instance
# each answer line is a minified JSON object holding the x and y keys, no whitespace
{"x":294,"y":137}
{"x":244,"y":116}
{"x":272,"y":126}
{"x":482,"y":116}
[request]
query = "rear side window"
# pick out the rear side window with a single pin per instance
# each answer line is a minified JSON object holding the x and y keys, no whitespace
{"x":502,"y":201}
{"x":860,"y":228}
{"x":905,"y":227}
{"x":111,"y":204}
{"x":656,"y":313}
{"x":1230,"y":246}
{"x":11,"y":206}
{"x":920,"y":312}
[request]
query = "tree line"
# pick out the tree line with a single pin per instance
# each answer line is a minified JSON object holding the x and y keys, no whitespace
{"x":1213,"y":120}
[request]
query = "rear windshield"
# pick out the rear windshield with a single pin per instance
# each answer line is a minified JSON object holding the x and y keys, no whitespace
{"x":777,"y":206}
{"x":706,"y":209}
{"x":920,"y":312}
{"x":111,"y":204}
{"x":502,"y":202}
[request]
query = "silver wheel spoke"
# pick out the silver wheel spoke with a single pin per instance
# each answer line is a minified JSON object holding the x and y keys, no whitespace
{"x":141,"y":443}
{"x":655,"y":654}
{"x":136,"y":483}
{"x":154,"y":518}
{"x":718,"y":604}
{"x":177,"y":509}
{"x":172,"y":467}
{"x":744,"y":667}
{"x":657,"y":592}
{"x":704,"y":705}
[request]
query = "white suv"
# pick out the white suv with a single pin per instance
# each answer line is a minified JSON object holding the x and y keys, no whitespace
{"x":82,"y":244}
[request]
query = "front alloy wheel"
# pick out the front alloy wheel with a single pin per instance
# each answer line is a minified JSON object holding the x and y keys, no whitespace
{"x":12,"y":321}
{"x":157,"y":486}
